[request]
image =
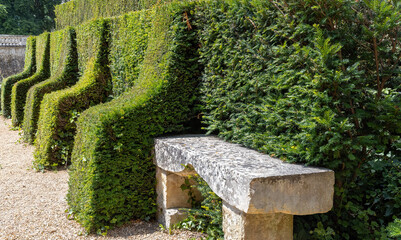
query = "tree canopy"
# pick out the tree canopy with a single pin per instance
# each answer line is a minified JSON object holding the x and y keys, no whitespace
{"x":3,"y":10}
{"x":24,"y":17}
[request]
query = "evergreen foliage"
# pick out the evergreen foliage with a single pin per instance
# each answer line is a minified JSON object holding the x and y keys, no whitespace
{"x":128,"y":43}
{"x":3,"y":10}
{"x":59,"y":109}
{"x":314,"y":82}
{"x":76,"y":12}
{"x":8,"y":83}
{"x":394,"y":228}
{"x":20,"y":89}
{"x":112,"y":177}
{"x":21,"y":17}
{"x":205,"y":216}
{"x":64,"y":73}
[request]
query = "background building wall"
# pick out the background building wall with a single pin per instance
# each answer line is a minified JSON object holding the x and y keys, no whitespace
{"x":12,"y":55}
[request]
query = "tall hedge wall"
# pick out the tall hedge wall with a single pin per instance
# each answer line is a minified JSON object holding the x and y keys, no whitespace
{"x":20,"y":89}
{"x":56,"y":127}
{"x":8,"y":83}
{"x":112,"y":177}
{"x":313,"y":82}
{"x":76,"y":12}
{"x":128,"y":42}
{"x":64,"y":73}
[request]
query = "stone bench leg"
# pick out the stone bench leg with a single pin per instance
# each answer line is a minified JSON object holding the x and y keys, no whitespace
{"x":171,"y":198}
{"x":238,"y":225}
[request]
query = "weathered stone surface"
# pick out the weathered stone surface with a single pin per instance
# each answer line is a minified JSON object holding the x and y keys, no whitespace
{"x":250,"y":181}
{"x":11,"y":61}
{"x":12,"y":55}
{"x":170,"y":217}
{"x":238,"y":225}
{"x":171,"y":198}
{"x":13,"y":40}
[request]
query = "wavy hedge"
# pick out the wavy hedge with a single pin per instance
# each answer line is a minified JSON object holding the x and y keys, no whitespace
{"x":75,"y":12}
{"x":314,"y":82}
{"x":64,"y":73}
{"x":20,"y":89}
{"x":8,"y":83}
{"x":112,"y":177}
{"x":56,"y":127}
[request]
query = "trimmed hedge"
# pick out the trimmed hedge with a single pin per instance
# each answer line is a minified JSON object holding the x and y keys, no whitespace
{"x":8,"y":83}
{"x":56,"y":127}
{"x":314,"y":82}
{"x":128,"y":42}
{"x":20,"y":89}
{"x":64,"y":73}
{"x":76,"y":12}
{"x":112,"y":177}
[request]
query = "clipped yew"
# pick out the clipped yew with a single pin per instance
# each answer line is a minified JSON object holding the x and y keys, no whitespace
{"x":56,"y":127}
{"x":129,"y":37}
{"x":112,"y":177}
{"x":313,"y":82}
{"x":76,"y":12}
{"x":8,"y":83}
{"x":20,"y":89}
{"x":64,"y":73}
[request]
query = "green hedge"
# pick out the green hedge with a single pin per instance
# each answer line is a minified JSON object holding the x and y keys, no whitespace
{"x":112,"y":177}
{"x":76,"y":12}
{"x":8,"y":83}
{"x":20,"y":89}
{"x":128,"y":42}
{"x":313,"y":82}
{"x":64,"y":73}
{"x":56,"y":127}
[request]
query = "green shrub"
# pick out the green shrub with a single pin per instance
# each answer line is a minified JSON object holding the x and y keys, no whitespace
{"x":8,"y":83}
{"x":128,"y":42}
{"x":56,"y":127}
{"x":20,"y":89}
{"x":76,"y":12}
{"x":112,"y":177}
{"x":64,"y":73}
{"x":204,"y":216}
{"x":394,"y":228}
{"x":313,"y":82}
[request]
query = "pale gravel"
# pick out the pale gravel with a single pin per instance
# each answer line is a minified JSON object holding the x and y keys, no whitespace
{"x":33,"y":204}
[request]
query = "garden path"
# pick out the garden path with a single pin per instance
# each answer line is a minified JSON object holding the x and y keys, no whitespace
{"x":32,"y":204}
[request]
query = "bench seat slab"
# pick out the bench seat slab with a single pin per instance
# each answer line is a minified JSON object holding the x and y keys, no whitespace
{"x":250,"y":181}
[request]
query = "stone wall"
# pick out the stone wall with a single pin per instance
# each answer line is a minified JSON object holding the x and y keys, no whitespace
{"x":12,"y":55}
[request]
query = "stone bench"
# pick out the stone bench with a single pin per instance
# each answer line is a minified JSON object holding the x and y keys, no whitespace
{"x":260,"y":194}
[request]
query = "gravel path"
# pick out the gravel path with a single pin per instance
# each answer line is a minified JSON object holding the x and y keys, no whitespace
{"x":32,"y":204}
